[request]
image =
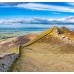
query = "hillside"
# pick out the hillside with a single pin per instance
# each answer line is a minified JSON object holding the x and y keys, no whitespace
{"x":52,"y":50}
{"x":9,"y":50}
{"x":10,"y":45}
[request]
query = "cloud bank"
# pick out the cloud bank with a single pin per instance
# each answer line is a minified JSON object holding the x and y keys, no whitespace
{"x":37,"y":20}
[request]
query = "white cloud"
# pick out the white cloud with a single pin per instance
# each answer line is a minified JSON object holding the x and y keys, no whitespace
{"x":71,"y":3}
{"x":43,"y":7}
{"x":56,"y":13}
{"x":67,"y":19}
{"x":52,"y":19}
{"x":38,"y":6}
{"x":37,"y":20}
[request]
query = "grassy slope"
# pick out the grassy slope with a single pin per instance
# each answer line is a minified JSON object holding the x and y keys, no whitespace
{"x":39,"y":37}
{"x":45,"y":54}
{"x":9,"y":50}
{"x":13,"y":50}
{"x":28,"y":43}
{"x":45,"y":57}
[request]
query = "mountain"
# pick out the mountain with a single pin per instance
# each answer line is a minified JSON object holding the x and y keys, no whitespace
{"x":51,"y":51}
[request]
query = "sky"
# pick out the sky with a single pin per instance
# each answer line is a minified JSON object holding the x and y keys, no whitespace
{"x":34,"y":12}
{"x":37,"y":9}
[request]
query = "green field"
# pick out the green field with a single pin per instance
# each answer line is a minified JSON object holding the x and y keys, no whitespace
{"x":10,"y":34}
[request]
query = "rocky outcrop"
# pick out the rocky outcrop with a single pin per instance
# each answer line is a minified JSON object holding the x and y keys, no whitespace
{"x":6,"y":61}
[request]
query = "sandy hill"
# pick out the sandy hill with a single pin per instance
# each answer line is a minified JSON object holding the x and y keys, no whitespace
{"x":52,"y":50}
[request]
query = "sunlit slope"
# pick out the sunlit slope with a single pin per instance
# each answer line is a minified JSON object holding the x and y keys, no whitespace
{"x":41,"y":35}
{"x":54,"y":32}
{"x":62,"y":34}
{"x":68,"y":33}
{"x":50,"y":51}
{"x":57,"y":38}
{"x":11,"y":45}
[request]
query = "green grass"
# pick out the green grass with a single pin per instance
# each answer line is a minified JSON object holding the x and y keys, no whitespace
{"x":13,"y":50}
{"x":43,"y":34}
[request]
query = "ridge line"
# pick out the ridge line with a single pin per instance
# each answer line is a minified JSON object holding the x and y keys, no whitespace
{"x":37,"y":39}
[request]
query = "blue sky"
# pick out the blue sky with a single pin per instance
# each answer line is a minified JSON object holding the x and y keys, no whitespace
{"x":38,"y":9}
{"x":17,"y":14}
